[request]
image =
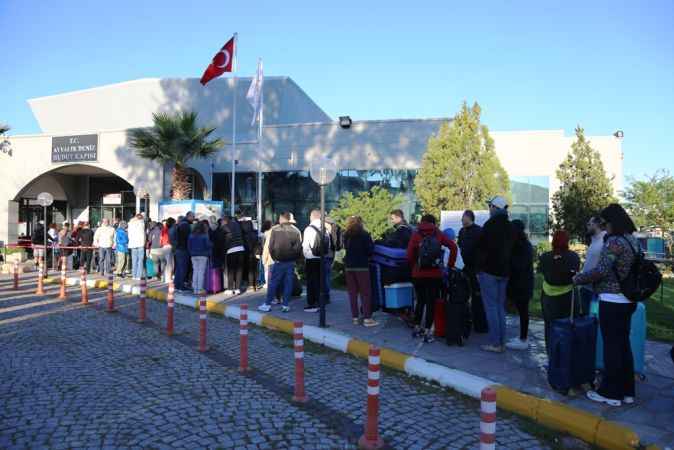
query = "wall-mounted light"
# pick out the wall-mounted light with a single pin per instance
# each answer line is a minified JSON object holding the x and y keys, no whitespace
{"x":619,"y":134}
{"x":345,"y":121}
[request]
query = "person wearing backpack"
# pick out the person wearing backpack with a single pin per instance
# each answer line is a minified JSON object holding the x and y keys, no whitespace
{"x":311,"y":247}
{"x":493,"y":254}
{"x":608,"y":279}
{"x":558,"y":268}
{"x":425,"y":256}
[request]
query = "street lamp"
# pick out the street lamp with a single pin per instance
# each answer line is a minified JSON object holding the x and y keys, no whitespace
{"x":45,"y":199}
{"x":322,"y":171}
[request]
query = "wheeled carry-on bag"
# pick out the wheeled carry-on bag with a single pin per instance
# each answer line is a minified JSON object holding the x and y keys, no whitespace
{"x":213,"y":279}
{"x":393,"y":264}
{"x":637,"y":338}
{"x":457,"y":309}
{"x":572,"y":351}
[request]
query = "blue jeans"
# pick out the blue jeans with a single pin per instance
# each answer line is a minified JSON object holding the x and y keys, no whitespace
{"x":182,"y":266}
{"x":137,"y":266}
{"x":493,"y":291}
{"x":104,"y":260}
{"x":281,"y":274}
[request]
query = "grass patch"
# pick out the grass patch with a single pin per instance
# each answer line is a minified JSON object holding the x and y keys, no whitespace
{"x":659,"y":310}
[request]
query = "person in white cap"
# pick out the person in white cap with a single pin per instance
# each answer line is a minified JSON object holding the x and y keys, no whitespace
{"x":494,"y":252}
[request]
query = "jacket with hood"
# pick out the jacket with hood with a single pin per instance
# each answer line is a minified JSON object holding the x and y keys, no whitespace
{"x":423,"y":230}
{"x":495,"y":246}
{"x":121,"y":240}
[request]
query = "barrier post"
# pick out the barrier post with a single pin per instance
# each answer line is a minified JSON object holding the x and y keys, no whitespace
{"x":243,"y":338}
{"x":111,"y":295}
{"x":141,"y":300}
{"x":202,"y":325}
{"x":298,"y":341}
{"x":83,"y":286}
{"x":16,"y":275}
{"x":371,"y":439}
{"x":169,"y":308}
{"x":40,"y":280}
{"x":62,"y":292}
{"x":488,"y":419}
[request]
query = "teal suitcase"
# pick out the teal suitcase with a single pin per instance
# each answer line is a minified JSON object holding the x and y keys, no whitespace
{"x":637,"y":338}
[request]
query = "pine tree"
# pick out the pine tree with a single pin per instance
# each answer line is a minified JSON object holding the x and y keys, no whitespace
{"x":460,"y":168}
{"x":584,"y":188}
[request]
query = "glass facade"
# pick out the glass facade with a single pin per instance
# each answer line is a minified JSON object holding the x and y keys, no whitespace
{"x":531,"y":196}
{"x":295,"y":191}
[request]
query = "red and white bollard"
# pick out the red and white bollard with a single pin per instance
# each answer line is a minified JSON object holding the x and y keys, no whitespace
{"x":298,"y":340}
{"x":62,"y":292}
{"x":488,"y":419}
{"x":111,"y":294}
{"x":83,"y":286}
{"x":243,"y":338}
{"x":16,"y":275}
{"x":371,"y":439}
{"x":202,"y":326}
{"x":40,"y":275}
{"x":170,"y":304}
{"x":141,"y":300}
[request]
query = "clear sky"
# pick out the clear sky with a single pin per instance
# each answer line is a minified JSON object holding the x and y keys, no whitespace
{"x":606,"y":65}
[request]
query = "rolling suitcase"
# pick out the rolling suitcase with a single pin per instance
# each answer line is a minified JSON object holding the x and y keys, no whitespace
{"x":457,"y":310}
{"x":571,"y":359}
{"x":213,"y":279}
{"x":637,"y":338}
{"x":393,"y":264}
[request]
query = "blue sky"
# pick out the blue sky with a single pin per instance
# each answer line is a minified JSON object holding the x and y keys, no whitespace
{"x":606,"y":65}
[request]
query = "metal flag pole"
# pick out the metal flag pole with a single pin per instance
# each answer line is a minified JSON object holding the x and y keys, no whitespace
{"x":233,"y":197}
{"x":259,"y":156}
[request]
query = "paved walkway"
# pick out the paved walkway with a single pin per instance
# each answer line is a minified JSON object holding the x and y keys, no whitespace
{"x":77,"y":377}
{"x":652,"y":416}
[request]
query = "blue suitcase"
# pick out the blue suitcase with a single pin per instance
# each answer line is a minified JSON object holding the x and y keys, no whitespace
{"x":637,"y":337}
{"x":572,"y":351}
{"x":389,"y":257}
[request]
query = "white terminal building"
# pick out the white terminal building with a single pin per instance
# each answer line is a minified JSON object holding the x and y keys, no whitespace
{"x":102,"y":178}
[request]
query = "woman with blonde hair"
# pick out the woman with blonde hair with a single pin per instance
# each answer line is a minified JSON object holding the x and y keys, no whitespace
{"x":358,"y":246}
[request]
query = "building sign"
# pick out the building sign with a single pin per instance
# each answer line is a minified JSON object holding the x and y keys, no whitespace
{"x":112,"y":199}
{"x":74,"y":148}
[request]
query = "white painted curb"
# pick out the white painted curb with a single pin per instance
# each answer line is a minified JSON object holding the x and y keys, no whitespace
{"x":462,"y":382}
{"x":186,"y":300}
{"x":336,"y":341}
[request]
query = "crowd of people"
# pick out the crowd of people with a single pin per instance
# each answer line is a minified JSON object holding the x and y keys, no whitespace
{"x":496,"y":258}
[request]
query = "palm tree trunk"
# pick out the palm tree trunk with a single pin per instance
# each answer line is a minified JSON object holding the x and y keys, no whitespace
{"x":181,"y":188}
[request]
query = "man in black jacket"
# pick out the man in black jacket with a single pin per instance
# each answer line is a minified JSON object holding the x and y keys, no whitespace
{"x":494,"y":251}
{"x":285,"y":247}
{"x":469,"y":236}
{"x":182,"y":256}
{"x":85,"y":238}
{"x":399,"y":236}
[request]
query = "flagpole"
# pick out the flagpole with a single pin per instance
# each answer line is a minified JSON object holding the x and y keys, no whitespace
{"x":233,"y":188}
{"x":259,"y":156}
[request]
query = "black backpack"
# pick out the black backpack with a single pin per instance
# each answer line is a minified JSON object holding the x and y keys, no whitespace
{"x":316,"y":245}
{"x":642,"y":280}
{"x":430,"y":253}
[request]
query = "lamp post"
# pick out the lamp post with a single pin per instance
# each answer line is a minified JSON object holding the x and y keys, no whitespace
{"x":322,"y":171}
{"x":45,"y":199}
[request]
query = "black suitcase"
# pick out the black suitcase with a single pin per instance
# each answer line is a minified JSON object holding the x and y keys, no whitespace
{"x":478,"y":315}
{"x":457,"y":311}
{"x":571,"y":361}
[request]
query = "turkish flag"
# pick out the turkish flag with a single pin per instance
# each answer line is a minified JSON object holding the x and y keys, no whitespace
{"x":222,"y":62}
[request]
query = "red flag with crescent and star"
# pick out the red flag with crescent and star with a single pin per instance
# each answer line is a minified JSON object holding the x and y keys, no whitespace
{"x":222,"y":62}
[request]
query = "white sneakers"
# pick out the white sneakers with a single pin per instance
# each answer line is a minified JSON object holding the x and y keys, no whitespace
{"x":264,"y":307}
{"x":517,"y":344}
{"x":596,"y":397}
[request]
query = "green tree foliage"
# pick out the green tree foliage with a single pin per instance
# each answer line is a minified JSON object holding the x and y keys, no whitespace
{"x":460,"y":168}
{"x":650,"y":202}
{"x":584,"y":188}
{"x":373,"y":206}
{"x":175,"y":140}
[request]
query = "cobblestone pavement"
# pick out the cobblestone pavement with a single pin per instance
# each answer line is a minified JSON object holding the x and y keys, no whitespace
{"x":77,"y":377}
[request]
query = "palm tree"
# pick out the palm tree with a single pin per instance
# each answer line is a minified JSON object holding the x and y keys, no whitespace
{"x":4,"y":128}
{"x":174,"y":140}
